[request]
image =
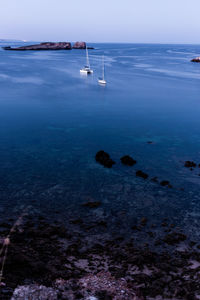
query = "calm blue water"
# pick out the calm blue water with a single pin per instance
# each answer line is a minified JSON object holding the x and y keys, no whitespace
{"x":53,"y":121}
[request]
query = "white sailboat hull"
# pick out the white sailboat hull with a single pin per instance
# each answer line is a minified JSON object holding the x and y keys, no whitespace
{"x":102,"y":81}
{"x":85,"y":71}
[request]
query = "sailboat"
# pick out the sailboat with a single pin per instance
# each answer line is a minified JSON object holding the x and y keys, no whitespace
{"x":102,"y":80}
{"x":86,"y":70}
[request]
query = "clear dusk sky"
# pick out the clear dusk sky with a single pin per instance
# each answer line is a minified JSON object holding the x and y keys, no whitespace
{"x":131,"y":21}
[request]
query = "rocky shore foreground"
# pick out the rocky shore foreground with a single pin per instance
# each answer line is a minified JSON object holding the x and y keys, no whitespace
{"x":50,"y":46}
{"x":51,"y":261}
{"x":92,"y":254}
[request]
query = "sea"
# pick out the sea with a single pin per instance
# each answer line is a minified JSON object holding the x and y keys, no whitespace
{"x":53,"y":121}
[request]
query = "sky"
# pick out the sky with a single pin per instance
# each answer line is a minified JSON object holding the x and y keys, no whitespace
{"x":128,"y":21}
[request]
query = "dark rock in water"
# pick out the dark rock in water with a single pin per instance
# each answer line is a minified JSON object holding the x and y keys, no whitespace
{"x":78,"y":221}
{"x":164,"y":224}
{"x":104,"y":159}
{"x":165,"y":183}
{"x":143,"y":221}
{"x":149,"y":142}
{"x":141,"y":174}
{"x":91,"y":204}
{"x":79,"y":45}
{"x":174,"y":238}
{"x":135,"y":227}
{"x":154,"y":179}
{"x":102,"y":223}
{"x":190,"y":164}
{"x":197,"y":59}
{"x":43,"y":46}
{"x":127,"y":160}
{"x":151,"y":234}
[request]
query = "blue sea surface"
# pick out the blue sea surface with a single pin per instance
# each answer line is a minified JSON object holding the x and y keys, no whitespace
{"x":53,"y":120}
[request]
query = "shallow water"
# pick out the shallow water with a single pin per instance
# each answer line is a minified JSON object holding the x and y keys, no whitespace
{"x":53,"y":121}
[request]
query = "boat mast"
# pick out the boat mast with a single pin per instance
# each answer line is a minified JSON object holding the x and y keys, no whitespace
{"x":103,"y":71}
{"x":87,"y":57}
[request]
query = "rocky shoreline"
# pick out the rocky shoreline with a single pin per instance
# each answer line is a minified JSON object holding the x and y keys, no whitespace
{"x":95,"y":252}
{"x":50,"y":46}
{"x":54,"y":261}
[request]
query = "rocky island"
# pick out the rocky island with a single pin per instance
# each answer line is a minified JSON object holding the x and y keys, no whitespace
{"x":197,"y":59}
{"x":50,"y":46}
{"x":79,"y":45}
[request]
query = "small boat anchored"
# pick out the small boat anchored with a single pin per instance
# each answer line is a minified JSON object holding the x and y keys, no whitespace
{"x":102,"y":80}
{"x":86,"y":70}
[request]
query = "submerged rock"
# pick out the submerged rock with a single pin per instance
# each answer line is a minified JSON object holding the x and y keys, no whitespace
{"x":143,"y":221}
{"x":141,"y":174}
{"x":43,"y":46}
{"x":91,"y":204}
{"x":190,"y":164}
{"x":135,"y":227}
{"x":78,"y":221}
{"x":127,"y":160}
{"x":174,"y":238}
{"x":104,"y":159}
{"x":197,"y":59}
{"x":154,"y":179}
{"x":166,"y":183}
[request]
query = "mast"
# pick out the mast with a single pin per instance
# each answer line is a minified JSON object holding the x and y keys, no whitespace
{"x":87,"y":57}
{"x":103,"y":71}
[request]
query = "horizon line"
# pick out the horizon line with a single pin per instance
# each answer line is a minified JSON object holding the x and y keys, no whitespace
{"x":89,"y":42}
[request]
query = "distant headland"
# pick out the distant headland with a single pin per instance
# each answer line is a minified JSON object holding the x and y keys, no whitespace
{"x":50,"y":46}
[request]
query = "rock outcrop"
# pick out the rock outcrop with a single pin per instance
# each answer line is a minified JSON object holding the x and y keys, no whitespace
{"x":79,"y":45}
{"x":127,"y":160}
{"x":190,"y":164}
{"x":44,"y":46}
{"x":197,"y":59}
{"x":50,"y":46}
{"x":34,"y":292}
{"x":141,"y":174}
{"x":104,"y":159}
